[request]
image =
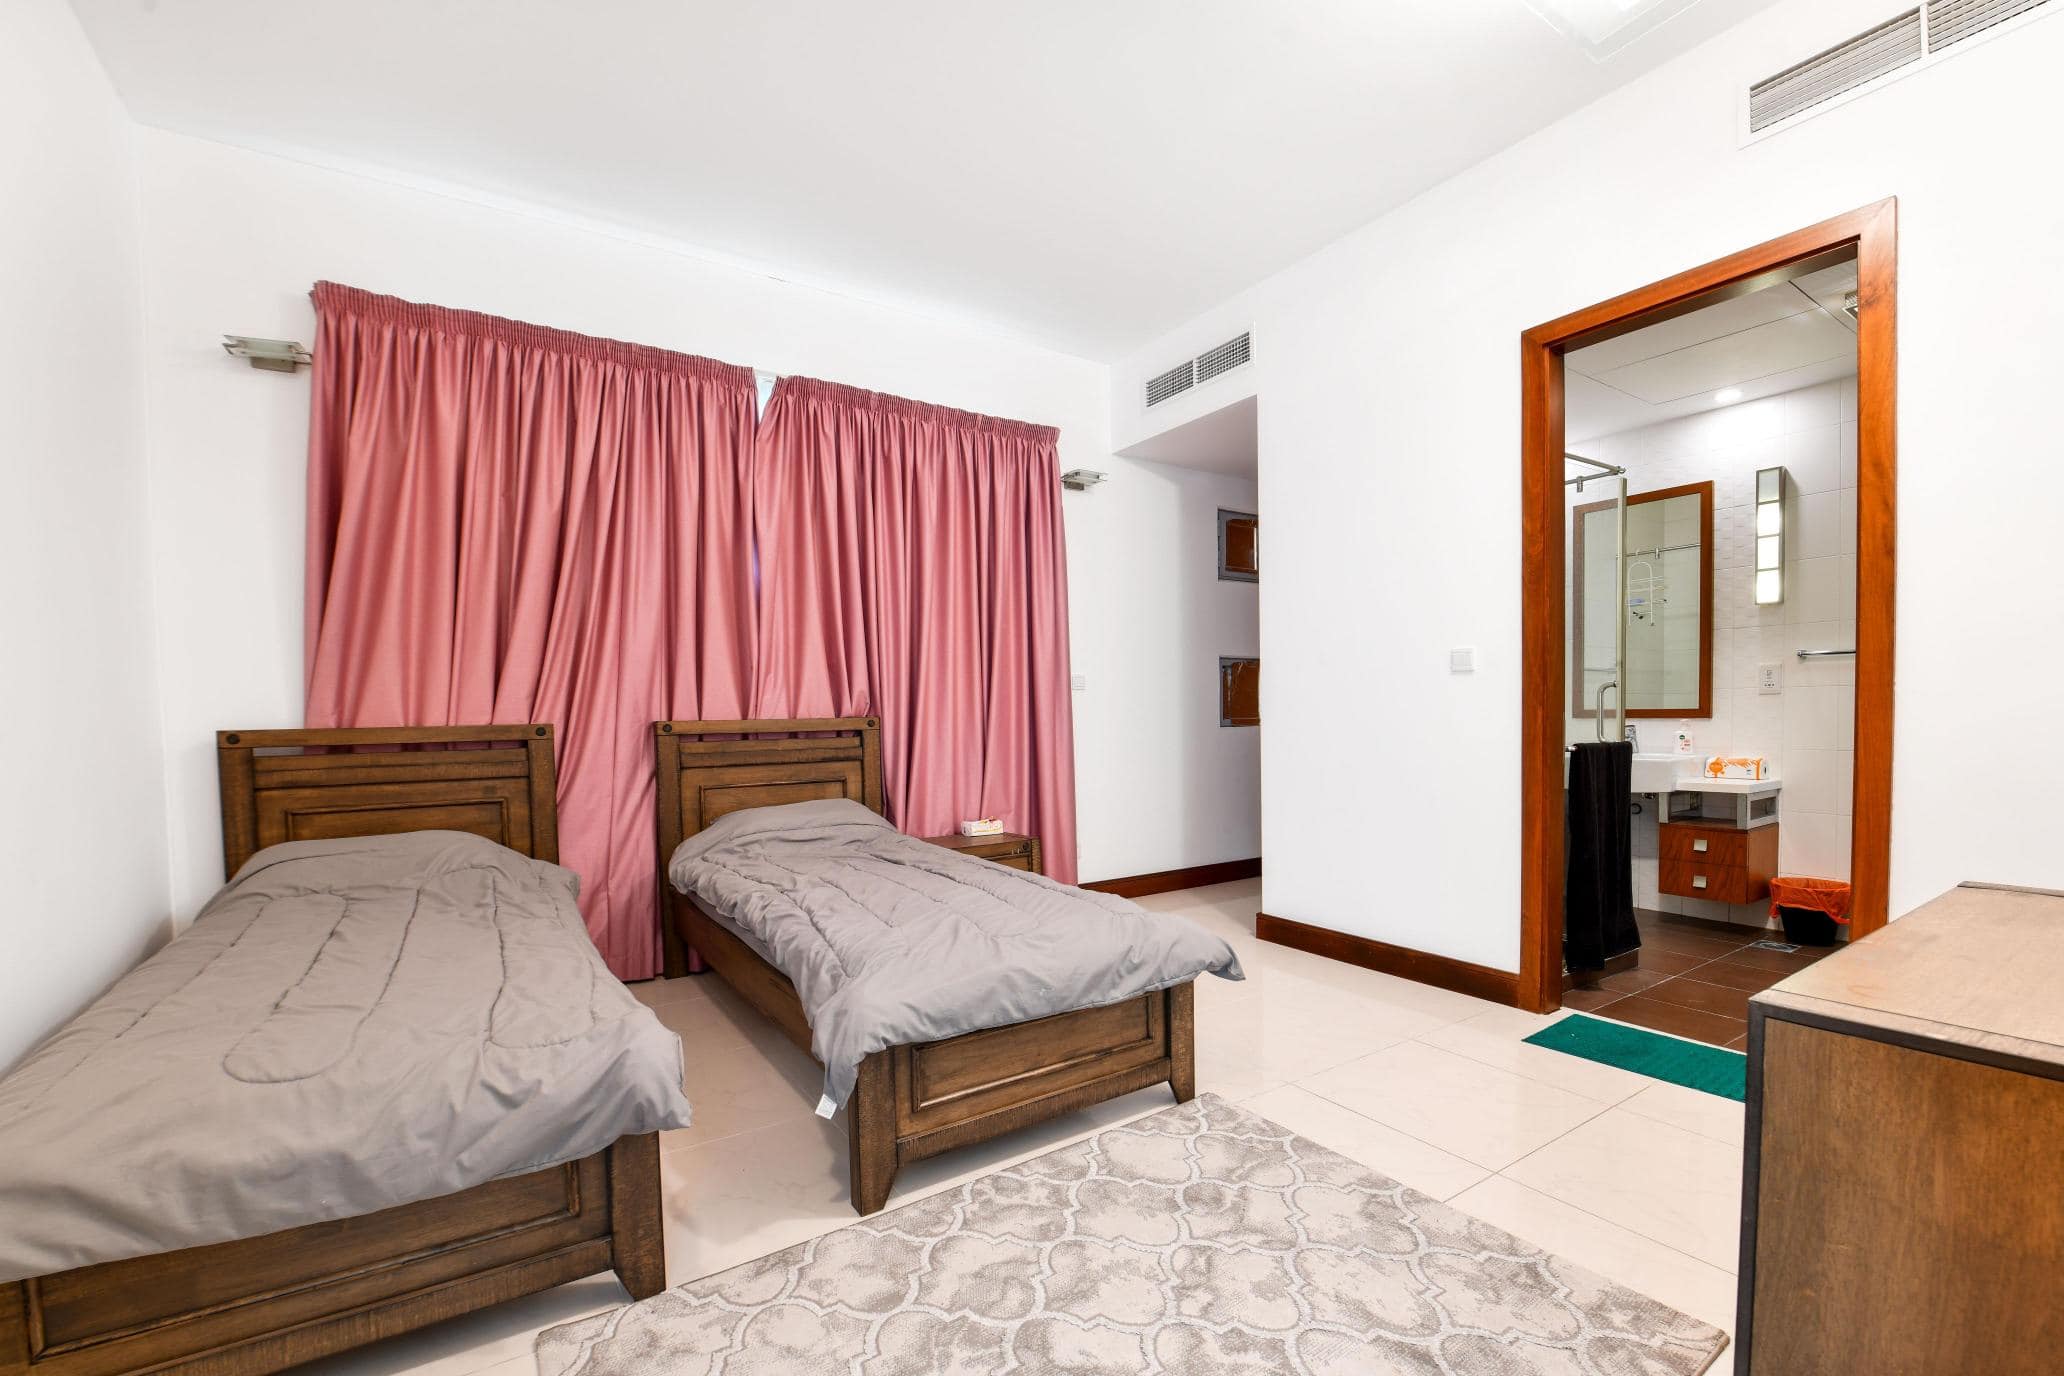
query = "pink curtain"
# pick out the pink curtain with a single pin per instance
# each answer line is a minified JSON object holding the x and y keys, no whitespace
{"x":513,"y":524}
{"x":912,"y":567}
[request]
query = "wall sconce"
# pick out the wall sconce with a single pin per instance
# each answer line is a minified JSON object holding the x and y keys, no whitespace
{"x":1769,"y":536}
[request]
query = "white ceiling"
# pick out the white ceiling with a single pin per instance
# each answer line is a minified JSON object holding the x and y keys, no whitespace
{"x":1223,"y":441}
{"x":1086,"y":173}
{"x":1784,"y":337}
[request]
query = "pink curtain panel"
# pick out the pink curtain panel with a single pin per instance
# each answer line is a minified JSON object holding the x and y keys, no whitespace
{"x":512,"y":524}
{"x":912,"y":566}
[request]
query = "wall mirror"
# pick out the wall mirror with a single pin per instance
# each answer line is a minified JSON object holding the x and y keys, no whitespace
{"x":1668,"y":612}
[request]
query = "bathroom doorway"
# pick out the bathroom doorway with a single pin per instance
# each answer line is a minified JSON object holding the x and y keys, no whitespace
{"x":1708,"y":558}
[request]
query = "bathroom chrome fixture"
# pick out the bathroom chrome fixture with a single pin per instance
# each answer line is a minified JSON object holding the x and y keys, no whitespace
{"x":273,"y":355}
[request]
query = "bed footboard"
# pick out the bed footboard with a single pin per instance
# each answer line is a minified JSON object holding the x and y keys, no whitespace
{"x":266,"y":1303}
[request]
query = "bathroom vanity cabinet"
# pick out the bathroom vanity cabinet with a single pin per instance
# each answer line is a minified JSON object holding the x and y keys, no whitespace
{"x":1901,"y":1208}
{"x":1724,"y":863}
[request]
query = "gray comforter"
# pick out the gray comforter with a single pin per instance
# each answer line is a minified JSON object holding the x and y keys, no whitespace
{"x":889,"y":939}
{"x":349,"y":1025}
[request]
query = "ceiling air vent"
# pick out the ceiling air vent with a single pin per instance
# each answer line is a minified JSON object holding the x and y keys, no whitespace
{"x":1844,"y":67}
{"x":1224,"y":358}
{"x":1180,"y":378}
{"x":1202,"y":368}
{"x":1952,"y":21}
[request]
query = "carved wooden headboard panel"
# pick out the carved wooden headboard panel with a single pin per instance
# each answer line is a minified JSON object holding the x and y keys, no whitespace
{"x":494,"y":781}
{"x":709,"y":768}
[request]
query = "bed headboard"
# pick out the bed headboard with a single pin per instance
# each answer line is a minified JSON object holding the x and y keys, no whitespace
{"x":709,"y":768}
{"x":494,"y":781}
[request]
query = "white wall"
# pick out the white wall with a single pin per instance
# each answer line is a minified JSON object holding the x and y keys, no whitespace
{"x":1806,"y":730}
{"x":233,"y":239}
{"x":1387,"y":368}
{"x":1161,"y":784}
{"x":82,"y":815}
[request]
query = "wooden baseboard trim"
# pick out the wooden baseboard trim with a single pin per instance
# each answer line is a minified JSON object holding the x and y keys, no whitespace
{"x":1168,"y":881}
{"x":1445,"y":972}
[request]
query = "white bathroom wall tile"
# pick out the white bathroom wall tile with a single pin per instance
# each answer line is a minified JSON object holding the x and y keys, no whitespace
{"x":1821,"y":589}
{"x":1809,"y":782}
{"x":1845,"y":716}
{"x":1647,"y":884}
{"x":1809,"y":717}
{"x":1811,"y":459}
{"x":1845,"y":452}
{"x":1848,"y":398}
{"x":1814,"y":526}
{"x":1758,"y":725}
{"x":1814,"y":844}
{"x":1845,"y":517}
{"x":1844,"y":782}
{"x":1811,"y":408}
{"x":1827,"y":670}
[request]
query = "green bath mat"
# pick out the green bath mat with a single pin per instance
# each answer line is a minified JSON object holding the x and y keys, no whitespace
{"x":1694,"y":1065}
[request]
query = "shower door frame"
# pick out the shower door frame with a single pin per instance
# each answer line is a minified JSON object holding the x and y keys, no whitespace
{"x":1872,"y":234}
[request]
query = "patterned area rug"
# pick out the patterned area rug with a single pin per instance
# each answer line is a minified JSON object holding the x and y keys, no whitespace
{"x":1202,"y":1241}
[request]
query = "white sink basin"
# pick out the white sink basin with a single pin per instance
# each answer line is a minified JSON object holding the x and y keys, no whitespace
{"x":1659,"y":773}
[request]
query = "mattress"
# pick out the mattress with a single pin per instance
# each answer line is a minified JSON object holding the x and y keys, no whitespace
{"x":889,"y":939}
{"x":349,"y":1025}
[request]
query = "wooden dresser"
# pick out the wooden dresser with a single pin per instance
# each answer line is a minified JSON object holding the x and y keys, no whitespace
{"x":1005,"y":848}
{"x":1903,"y":1182}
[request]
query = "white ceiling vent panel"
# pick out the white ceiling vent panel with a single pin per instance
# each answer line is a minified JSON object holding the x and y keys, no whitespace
{"x":1180,"y":378}
{"x":1842,"y":68}
{"x":1224,"y":358}
{"x":1952,"y":21}
{"x":1204,"y":367}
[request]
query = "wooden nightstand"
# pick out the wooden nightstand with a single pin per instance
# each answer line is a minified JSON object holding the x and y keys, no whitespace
{"x":1005,"y":848}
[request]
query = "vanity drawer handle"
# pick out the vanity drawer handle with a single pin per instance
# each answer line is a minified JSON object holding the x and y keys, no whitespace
{"x":1700,"y":844}
{"x":1698,"y":881}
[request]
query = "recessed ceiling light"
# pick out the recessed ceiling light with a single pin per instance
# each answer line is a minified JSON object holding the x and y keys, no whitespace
{"x":1727,"y":396}
{"x":1602,"y":27}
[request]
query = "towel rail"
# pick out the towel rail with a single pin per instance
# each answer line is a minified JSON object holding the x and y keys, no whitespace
{"x":1821,"y":654}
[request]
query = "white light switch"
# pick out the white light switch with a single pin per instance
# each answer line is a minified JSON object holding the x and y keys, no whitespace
{"x":1770,"y":678}
{"x":1079,"y":682}
{"x":1462,"y":660}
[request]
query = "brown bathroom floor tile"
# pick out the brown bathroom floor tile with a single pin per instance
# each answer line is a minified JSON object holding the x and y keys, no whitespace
{"x":1590,"y":1000}
{"x":1633,"y":981}
{"x":1687,"y":943}
{"x":1689,"y":991}
{"x":1729,"y":932}
{"x":1658,"y":1016}
{"x":1749,"y":979}
{"x":1785,"y":962}
{"x":1658,"y":961}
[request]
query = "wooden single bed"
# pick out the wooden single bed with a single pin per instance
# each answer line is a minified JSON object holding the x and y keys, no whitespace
{"x":265,"y":1303}
{"x":918,"y":1100}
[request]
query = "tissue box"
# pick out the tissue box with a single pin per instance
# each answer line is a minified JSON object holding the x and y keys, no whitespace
{"x":1737,"y":767}
{"x":982,"y":826}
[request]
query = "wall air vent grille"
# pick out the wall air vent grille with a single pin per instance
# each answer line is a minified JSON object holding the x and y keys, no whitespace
{"x":1224,"y":358}
{"x":1180,"y":378}
{"x":1840,"y":69}
{"x":1952,"y":21}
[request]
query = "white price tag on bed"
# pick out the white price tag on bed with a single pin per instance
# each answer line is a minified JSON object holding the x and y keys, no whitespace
{"x":825,"y":1107}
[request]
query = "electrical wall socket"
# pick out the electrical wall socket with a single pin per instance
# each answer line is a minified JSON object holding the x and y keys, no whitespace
{"x":1770,"y":678}
{"x":1462,"y":660}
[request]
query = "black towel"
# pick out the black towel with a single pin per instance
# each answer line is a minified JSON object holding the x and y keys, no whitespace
{"x":1598,"y":871}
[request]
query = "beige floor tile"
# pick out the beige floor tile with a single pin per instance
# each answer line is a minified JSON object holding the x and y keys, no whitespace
{"x":1675,"y":1187}
{"x":742,"y":1086}
{"x":746,"y":1195}
{"x":1709,"y":1115}
{"x":477,"y":1341}
{"x":1478,"y":1112}
{"x":710,"y":1019}
{"x":1497,"y":1038}
{"x":1385,"y":1150}
{"x":1662,"y":1273}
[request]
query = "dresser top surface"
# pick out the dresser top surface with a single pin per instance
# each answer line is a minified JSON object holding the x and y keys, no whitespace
{"x":1979,"y":965}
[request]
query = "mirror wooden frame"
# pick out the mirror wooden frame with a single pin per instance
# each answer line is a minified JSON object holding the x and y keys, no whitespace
{"x":1579,"y":705}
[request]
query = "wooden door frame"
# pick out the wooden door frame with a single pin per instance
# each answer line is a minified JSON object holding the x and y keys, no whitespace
{"x":1872,"y":233}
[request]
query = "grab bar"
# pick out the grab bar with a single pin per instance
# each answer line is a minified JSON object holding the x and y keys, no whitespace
{"x":1817,"y":654}
{"x":1598,"y":705}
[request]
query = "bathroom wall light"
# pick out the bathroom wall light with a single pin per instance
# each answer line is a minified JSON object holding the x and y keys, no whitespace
{"x":1728,"y":396}
{"x":1769,"y":536}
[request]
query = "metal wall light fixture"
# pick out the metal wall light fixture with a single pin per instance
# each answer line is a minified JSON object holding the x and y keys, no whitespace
{"x":1770,"y":536}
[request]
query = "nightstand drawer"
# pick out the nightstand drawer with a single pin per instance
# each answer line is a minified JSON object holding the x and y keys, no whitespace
{"x":1009,"y":849}
{"x":1706,"y":846}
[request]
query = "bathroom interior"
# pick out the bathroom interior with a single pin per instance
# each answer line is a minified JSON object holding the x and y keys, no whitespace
{"x":1710,"y":615}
